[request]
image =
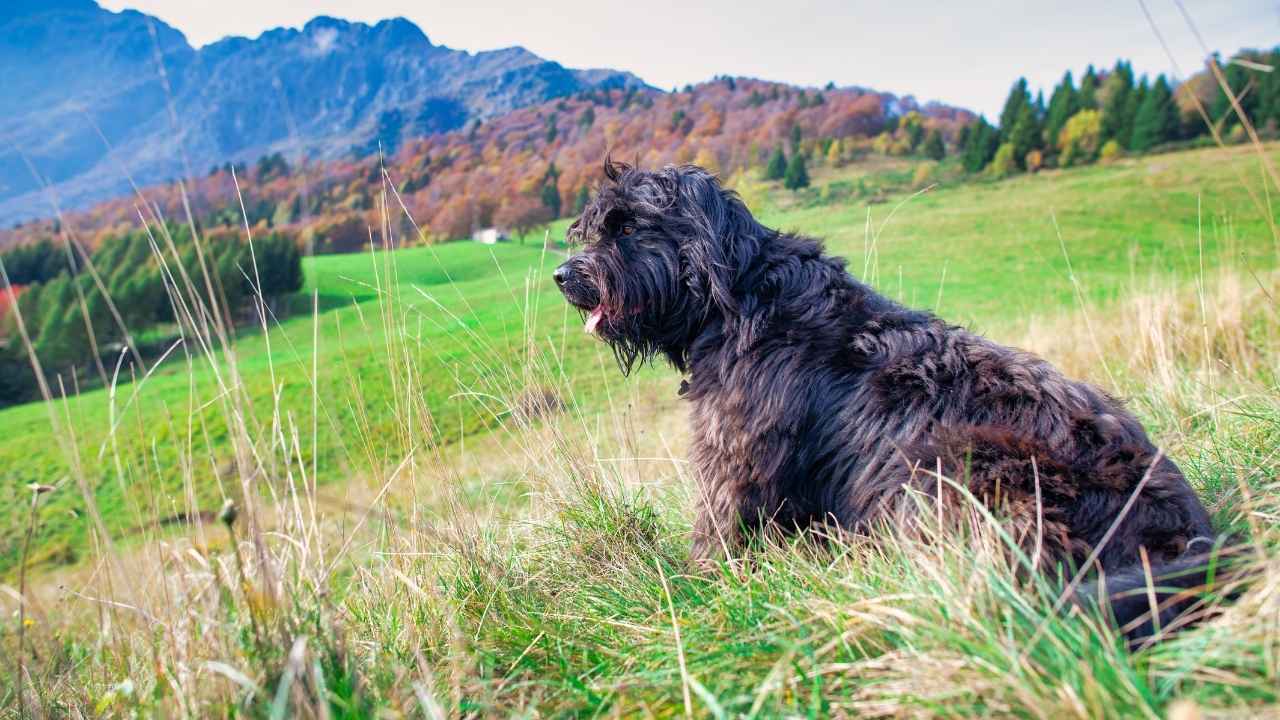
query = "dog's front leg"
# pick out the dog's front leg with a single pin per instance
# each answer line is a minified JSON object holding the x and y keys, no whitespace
{"x":717,"y":527}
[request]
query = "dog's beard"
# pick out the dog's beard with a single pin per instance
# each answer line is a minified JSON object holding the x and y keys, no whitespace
{"x":637,"y":331}
{"x":641,"y":308}
{"x":623,"y":326}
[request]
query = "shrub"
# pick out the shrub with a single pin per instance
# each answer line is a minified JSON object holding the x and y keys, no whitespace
{"x":924,"y":174}
{"x":1080,"y":138}
{"x":1003,"y":164}
{"x":1034,"y":160}
{"x":279,"y":264}
{"x":1111,"y":151}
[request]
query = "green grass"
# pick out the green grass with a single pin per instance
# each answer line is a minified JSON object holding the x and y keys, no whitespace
{"x":415,"y":537}
{"x":985,"y":254}
{"x":1003,"y":254}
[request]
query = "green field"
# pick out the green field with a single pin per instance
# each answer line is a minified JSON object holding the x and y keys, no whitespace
{"x":495,"y":586}
{"x":987,"y":254}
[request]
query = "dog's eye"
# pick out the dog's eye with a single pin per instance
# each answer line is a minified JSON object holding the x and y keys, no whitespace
{"x":628,"y":228}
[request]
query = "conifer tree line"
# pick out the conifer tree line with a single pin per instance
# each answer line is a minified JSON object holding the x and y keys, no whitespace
{"x":1112,"y":112}
{"x":68,"y":318}
{"x":793,"y":172}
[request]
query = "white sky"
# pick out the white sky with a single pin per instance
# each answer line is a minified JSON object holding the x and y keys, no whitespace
{"x":964,"y":53}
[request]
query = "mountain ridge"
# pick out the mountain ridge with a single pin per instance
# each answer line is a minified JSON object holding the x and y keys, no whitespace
{"x":88,"y":107}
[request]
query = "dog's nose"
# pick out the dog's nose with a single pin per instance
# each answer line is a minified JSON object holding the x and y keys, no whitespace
{"x":561,"y":275}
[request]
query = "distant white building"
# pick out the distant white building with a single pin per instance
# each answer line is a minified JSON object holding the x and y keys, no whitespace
{"x":489,"y":236}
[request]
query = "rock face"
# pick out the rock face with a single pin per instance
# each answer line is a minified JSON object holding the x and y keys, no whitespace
{"x":91,"y":97}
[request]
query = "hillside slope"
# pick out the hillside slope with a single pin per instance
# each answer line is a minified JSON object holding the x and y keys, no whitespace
{"x":454,"y":319}
{"x":527,"y":166}
{"x":387,"y":555}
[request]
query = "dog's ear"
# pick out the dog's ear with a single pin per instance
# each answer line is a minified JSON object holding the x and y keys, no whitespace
{"x":723,"y":237}
{"x":614,"y":169}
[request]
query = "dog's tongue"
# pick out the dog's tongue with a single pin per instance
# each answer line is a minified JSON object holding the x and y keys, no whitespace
{"x":594,"y":319}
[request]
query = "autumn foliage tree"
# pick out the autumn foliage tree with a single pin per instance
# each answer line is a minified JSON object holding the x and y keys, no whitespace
{"x":522,"y":214}
{"x":1081,"y":138}
{"x":455,"y":220}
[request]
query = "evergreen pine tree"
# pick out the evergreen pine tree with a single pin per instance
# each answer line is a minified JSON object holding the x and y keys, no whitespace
{"x":1268,"y":111}
{"x":29,"y":304}
{"x":777,"y":166}
{"x":1136,"y":98}
{"x":1239,"y":80}
{"x":1064,"y":103}
{"x":1025,"y":136}
{"x":933,"y":146}
{"x":980,"y":145}
{"x":550,"y":193}
{"x":797,"y":175}
{"x":1117,"y":107}
{"x":1018,"y":99}
{"x":1089,"y":89}
{"x":551,"y":198}
{"x":1157,"y":120}
{"x":279,"y":266}
{"x":61,"y":337}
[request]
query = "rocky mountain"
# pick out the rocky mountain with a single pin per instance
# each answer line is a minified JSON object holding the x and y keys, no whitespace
{"x":91,"y":97}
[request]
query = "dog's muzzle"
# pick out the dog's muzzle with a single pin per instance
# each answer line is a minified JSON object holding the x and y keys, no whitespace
{"x":572,"y":281}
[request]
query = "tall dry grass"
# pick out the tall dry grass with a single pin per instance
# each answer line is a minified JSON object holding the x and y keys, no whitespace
{"x":442,"y":593}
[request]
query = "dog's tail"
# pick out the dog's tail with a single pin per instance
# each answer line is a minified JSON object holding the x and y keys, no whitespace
{"x":1147,"y":603}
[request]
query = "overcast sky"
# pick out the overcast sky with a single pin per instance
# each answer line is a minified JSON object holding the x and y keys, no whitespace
{"x":964,"y":53}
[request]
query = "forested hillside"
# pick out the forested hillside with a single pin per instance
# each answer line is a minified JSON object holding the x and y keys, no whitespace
{"x":84,"y":313}
{"x":531,"y":165}
{"x":93,"y":283}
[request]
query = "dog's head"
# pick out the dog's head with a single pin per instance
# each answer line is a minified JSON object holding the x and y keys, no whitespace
{"x":661,"y":254}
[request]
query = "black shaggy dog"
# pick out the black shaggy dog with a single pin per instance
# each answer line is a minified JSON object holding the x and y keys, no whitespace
{"x":817,"y":400}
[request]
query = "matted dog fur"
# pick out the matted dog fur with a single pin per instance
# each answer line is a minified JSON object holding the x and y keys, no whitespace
{"x":817,"y":400}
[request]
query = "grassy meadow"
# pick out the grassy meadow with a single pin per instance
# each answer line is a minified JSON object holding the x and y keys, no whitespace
{"x":450,"y":503}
